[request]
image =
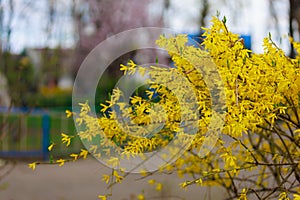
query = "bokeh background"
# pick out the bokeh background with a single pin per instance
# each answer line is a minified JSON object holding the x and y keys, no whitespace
{"x":44,"y":42}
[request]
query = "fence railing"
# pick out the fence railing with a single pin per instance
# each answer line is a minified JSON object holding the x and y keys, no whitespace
{"x":28,"y":133}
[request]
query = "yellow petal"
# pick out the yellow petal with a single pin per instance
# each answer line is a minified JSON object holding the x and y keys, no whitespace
{"x":32,"y":165}
{"x":51,"y":147}
{"x":102,"y":197}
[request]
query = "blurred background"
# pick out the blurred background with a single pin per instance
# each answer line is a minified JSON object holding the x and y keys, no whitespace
{"x":43,"y":43}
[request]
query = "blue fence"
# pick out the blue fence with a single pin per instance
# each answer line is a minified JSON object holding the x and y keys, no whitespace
{"x":28,"y":133}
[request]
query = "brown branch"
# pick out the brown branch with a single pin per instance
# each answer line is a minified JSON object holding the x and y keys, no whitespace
{"x":166,"y":196}
{"x":272,"y":164}
{"x":282,"y":182}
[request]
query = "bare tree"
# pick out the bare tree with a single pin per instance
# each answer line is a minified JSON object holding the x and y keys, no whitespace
{"x":203,"y":13}
{"x":6,"y":18}
{"x":294,"y":14}
{"x":5,"y":35}
{"x":95,"y":20}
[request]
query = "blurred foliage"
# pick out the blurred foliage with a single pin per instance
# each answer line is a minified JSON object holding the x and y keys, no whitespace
{"x":56,"y":99}
{"x":20,"y":76}
{"x":52,"y":65}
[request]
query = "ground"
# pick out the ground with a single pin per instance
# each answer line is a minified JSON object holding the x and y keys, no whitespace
{"x":82,"y":181}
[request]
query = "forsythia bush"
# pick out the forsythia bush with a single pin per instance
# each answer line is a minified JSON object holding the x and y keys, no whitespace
{"x":256,"y":151}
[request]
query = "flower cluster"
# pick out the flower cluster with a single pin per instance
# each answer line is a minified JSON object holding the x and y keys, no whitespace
{"x":261,"y":117}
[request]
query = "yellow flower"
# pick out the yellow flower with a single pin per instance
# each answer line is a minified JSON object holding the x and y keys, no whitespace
{"x":51,"y":147}
{"x":143,"y":172}
{"x":151,"y":182}
{"x":259,"y":91}
{"x":32,"y":165}
{"x":283,"y":196}
{"x":105,"y":107}
{"x":150,"y":94}
{"x":142,"y":71}
{"x":66,"y":139}
{"x":69,"y":113}
{"x":105,"y":178}
{"x":296,"y":196}
{"x":102,"y":197}
{"x":124,"y":68}
{"x":159,"y":187}
{"x":117,"y":176}
{"x":131,"y":67}
{"x":199,"y":181}
{"x":183,"y":185}
{"x":75,"y":156}
{"x":141,"y":197}
{"x":61,"y":162}
{"x":243,"y":195}
{"x":84,"y":153}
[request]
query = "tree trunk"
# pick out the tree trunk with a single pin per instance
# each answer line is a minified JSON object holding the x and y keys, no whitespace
{"x":291,"y":29}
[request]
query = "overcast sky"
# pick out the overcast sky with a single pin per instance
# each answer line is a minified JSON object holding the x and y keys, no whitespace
{"x":243,"y":17}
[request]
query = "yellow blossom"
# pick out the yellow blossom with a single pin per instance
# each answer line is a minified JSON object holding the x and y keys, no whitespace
{"x":102,"y":197}
{"x":50,"y":147}
{"x":151,"y":181}
{"x":32,"y":165}
{"x":296,"y":196}
{"x":83,"y":153}
{"x":69,"y":113}
{"x":105,"y":178}
{"x":66,"y":139}
{"x":159,"y":187}
{"x":260,"y":112}
{"x":61,"y":162}
{"x":141,"y":197}
{"x":117,"y":176}
{"x":74,"y":155}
